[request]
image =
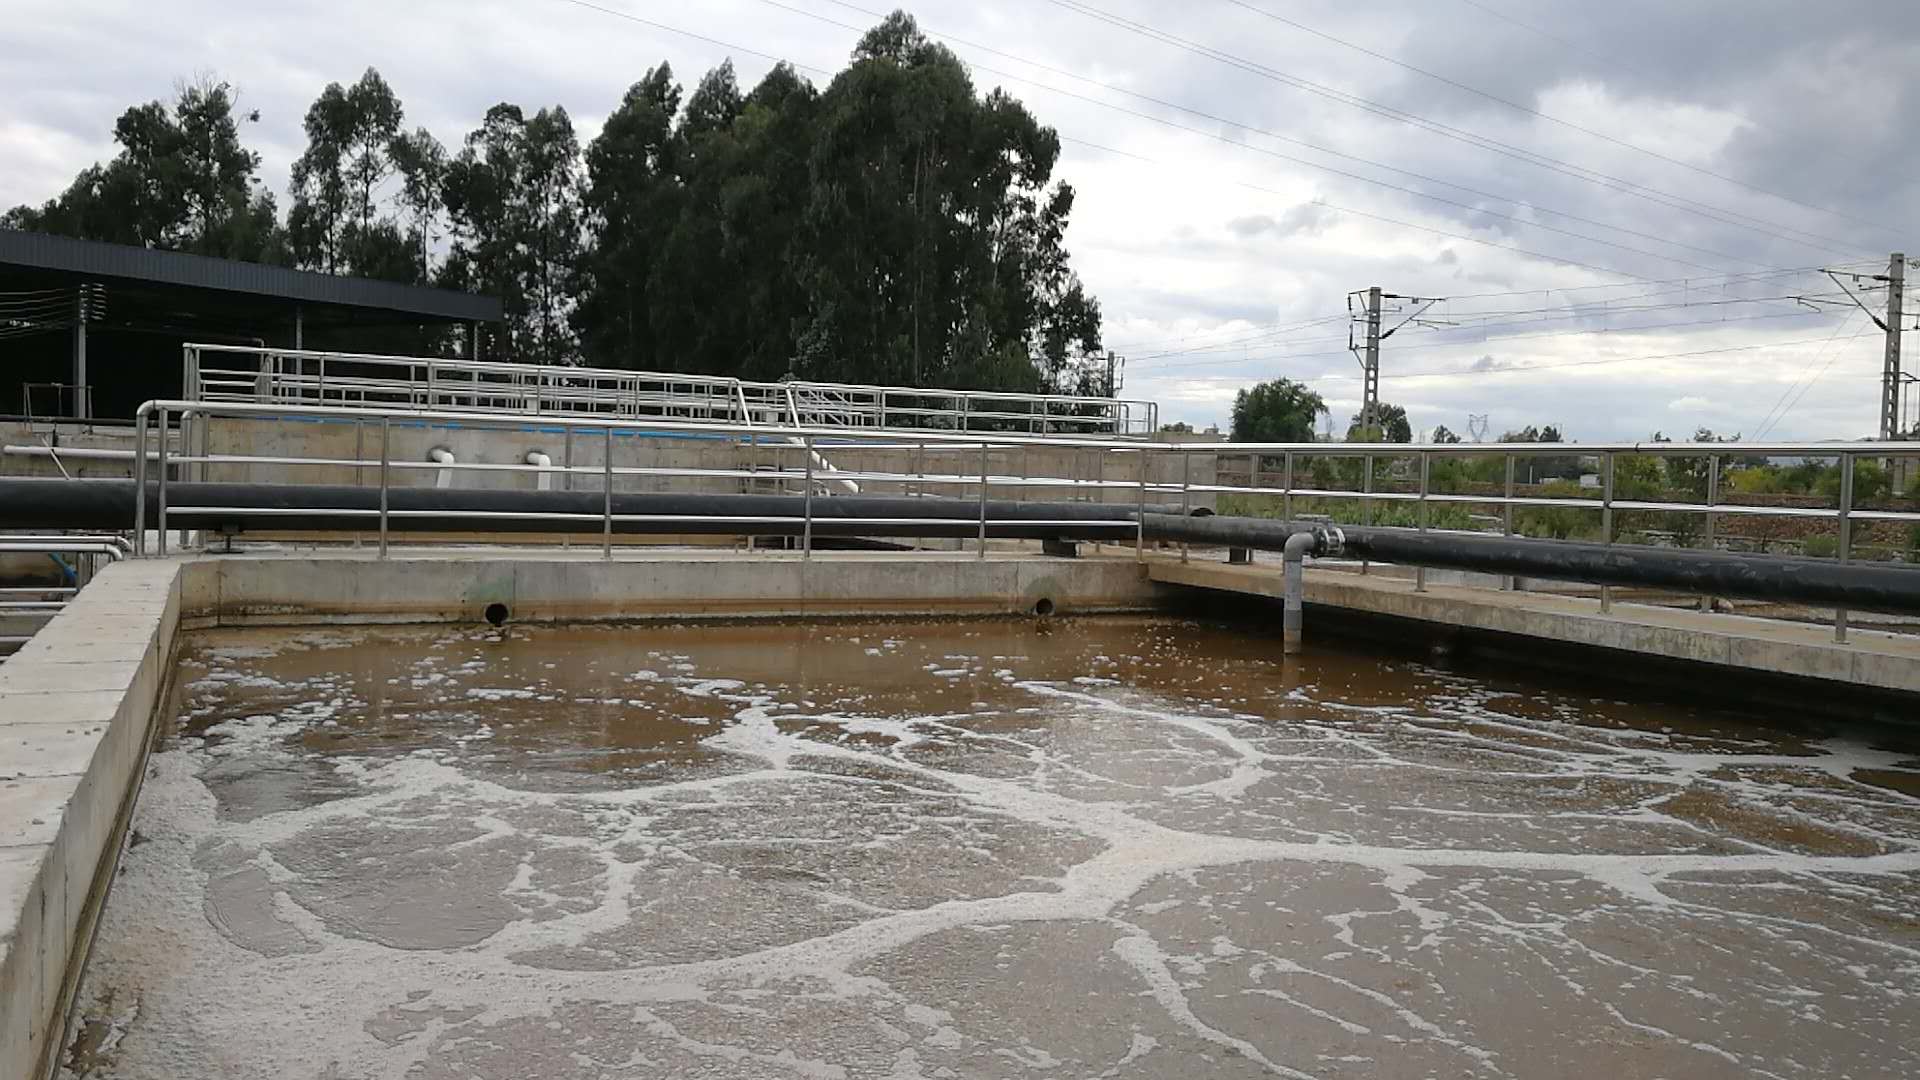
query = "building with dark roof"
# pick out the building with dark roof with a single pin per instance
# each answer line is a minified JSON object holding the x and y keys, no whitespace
{"x":90,"y":328}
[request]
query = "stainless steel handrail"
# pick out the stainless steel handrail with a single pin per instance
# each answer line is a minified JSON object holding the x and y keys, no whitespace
{"x":1131,"y":475}
{"x":284,"y":375}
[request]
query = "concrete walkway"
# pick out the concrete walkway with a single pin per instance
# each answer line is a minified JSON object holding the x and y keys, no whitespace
{"x":1869,"y":658}
{"x":76,"y":705}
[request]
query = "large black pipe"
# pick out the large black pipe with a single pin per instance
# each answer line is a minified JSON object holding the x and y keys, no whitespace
{"x":1715,"y":573}
{"x":108,"y":504}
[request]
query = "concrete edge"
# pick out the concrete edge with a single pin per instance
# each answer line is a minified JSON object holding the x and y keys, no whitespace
{"x":77,"y":704}
{"x":316,"y":589}
{"x":1719,"y":640}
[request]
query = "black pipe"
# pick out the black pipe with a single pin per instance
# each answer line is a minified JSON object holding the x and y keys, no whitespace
{"x":1715,"y":573}
{"x":108,"y":504}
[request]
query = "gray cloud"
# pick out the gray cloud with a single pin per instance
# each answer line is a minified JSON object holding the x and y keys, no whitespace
{"x":1307,"y":218}
{"x":1779,"y":94}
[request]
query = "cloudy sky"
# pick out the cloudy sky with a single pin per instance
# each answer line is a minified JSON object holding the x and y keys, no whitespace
{"x":1624,"y":205}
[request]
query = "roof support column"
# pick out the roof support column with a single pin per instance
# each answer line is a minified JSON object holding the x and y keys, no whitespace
{"x":80,"y":394}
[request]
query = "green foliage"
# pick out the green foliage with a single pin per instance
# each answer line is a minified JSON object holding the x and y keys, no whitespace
{"x":1179,"y":428}
{"x":1348,"y":511}
{"x":898,"y":227}
{"x":1280,"y":411}
{"x":513,"y":197}
{"x":1820,"y":547}
{"x":1392,"y":426}
{"x":1558,"y":522}
{"x":1441,"y":435}
{"x":182,"y":181}
{"x":1532,"y":469}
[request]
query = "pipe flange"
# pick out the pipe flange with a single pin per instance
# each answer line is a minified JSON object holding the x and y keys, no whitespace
{"x":1328,"y":541}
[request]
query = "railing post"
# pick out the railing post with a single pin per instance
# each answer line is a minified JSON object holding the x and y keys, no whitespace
{"x":806,"y":528}
{"x":1186,"y":493}
{"x":1713,"y":499}
{"x":1286,"y":487}
{"x":1420,"y":572}
{"x":188,"y":424}
{"x":161,"y":462}
{"x":386,"y":426}
{"x":1606,"y":521}
{"x":1140,"y":517}
{"x":566,"y":453}
{"x":983,"y":500}
{"x":1507,"y":581}
{"x":1846,"y":539}
{"x":606,"y":512}
{"x":140,"y":482}
{"x":1366,"y":498}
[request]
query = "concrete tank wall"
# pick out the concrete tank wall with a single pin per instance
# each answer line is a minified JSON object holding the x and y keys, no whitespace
{"x":410,"y":442}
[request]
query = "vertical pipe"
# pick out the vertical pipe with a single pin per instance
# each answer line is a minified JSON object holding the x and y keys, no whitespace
{"x":359,"y":451}
{"x":1846,"y":538}
{"x":385,"y":435}
{"x":1606,"y":522}
{"x":606,"y":511}
{"x":161,"y":462}
{"x":1507,"y":580}
{"x":806,"y":531}
{"x":1420,"y":572}
{"x":140,"y":481}
{"x":983,"y":501}
{"x":1293,"y":555}
{"x":566,"y":454}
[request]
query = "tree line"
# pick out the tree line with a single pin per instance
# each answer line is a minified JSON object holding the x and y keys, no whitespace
{"x":897,"y":226}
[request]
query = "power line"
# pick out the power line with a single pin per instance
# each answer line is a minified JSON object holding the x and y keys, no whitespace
{"x":1679,"y":285}
{"x":1484,"y":338}
{"x":1707,"y":282}
{"x":1379,"y":217}
{"x":1530,"y":111}
{"x":1265,"y":330}
{"x":1255,"y":129}
{"x":1593,"y":176}
{"x":696,"y":36}
{"x":1768,"y":420}
{"x":1616,"y":331}
{"x":1595,"y":363}
{"x":1816,"y":378}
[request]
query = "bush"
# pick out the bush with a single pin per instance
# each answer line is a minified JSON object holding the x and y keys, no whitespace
{"x":1555,"y":522}
{"x":1820,"y":547}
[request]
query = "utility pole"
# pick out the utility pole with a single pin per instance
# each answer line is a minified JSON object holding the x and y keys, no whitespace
{"x":1114,"y":364}
{"x":1890,"y":372}
{"x":1368,"y":348}
{"x":1370,"y":365}
{"x":1890,"y":376}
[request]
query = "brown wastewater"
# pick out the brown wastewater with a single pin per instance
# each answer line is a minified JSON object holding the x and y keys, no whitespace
{"x":1121,"y":847}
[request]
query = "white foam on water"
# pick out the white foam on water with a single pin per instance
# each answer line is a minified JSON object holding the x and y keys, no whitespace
{"x":1131,"y":851}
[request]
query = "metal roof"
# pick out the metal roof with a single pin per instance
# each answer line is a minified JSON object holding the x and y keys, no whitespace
{"x":94,"y":260}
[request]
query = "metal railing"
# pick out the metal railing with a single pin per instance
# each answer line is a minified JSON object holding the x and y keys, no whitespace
{"x":231,"y":373}
{"x":1149,"y":475}
{"x":30,"y":604}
